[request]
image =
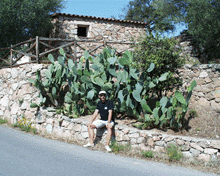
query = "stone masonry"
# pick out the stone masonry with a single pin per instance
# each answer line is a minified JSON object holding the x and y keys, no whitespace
{"x":16,"y":94}
{"x":101,"y":30}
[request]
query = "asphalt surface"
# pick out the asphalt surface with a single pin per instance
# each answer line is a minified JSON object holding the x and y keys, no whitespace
{"x":23,"y":154}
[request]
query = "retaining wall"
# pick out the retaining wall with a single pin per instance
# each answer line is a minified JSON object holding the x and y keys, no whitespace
{"x":16,"y":94}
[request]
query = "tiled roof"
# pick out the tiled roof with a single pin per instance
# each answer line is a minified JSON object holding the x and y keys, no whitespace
{"x":98,"y":18}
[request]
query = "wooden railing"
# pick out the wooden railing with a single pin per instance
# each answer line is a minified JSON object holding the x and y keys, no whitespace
{"x":40,"y":47}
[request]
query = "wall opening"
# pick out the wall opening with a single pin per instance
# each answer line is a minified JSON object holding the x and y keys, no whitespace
{"x":82,"y":31}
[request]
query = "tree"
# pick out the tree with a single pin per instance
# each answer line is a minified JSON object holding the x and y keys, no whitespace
{"x":23,"y":19}
{"x":202,"y":18}
{"x":165,"y":56}
{"x":144,"y":11}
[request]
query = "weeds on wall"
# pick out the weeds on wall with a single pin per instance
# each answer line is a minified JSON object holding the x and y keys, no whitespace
{"x":3,"y":121}
{"x":25,"y":125}
{"x":148,"y":154}
{"x":173,"y":153}
{"x":116,"y":148}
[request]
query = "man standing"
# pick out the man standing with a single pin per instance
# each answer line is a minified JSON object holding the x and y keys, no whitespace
{"x":105,"y":108}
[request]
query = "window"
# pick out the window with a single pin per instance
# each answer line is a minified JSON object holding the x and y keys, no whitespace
{"x":82,"y":31}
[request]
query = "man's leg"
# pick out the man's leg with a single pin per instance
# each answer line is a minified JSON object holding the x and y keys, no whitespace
{"x":91,"y":136}
{"x":109,"y":127}
{"x":91,"y":133}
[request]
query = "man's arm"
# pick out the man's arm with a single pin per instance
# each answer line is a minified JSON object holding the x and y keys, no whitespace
{"x":110,"y":115}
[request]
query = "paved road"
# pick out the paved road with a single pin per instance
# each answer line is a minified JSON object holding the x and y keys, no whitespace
{"x":23,"y":154}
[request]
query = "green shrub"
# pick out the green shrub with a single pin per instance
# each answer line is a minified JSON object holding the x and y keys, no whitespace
{"x":3,"y":121}
{"x":148,"y":154}
{"x":118,"y":147}
{"x":165,"y":56}
{"x":193,"y":113}
{"x":173,"y":152}
{"x":25,"y":125}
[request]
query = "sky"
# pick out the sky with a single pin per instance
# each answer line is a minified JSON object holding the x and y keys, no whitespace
{"x":97,"y":8}
{"x":102,"y":8}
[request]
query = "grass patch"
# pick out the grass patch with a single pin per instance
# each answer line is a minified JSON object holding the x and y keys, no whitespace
{"x":3,"y":121}
{"x":116,"y":148}
{"x":173,"y":153}
{"x":148,"y":154}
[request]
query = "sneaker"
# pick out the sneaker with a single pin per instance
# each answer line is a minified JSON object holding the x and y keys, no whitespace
{"x":108,"y":148}
{"x":88,"y":145}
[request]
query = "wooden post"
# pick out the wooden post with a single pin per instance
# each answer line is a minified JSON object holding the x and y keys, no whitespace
{"x":104,"y":43}
{"x":11,"y":55}
{"x":75,"y":49}
{"x":37,"y":49}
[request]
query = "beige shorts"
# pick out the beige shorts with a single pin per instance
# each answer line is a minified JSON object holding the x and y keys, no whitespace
{"x":101,"y":123}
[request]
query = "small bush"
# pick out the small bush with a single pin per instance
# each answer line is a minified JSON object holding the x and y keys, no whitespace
{"x":174,"y":154}
{"x":25,"y":125}
{"x":193,"y":113}
{"x":118,"y":147}
{"x":148,"y":154}
{"x":3,"y":121}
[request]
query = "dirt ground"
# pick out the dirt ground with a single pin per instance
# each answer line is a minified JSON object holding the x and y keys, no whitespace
{"x":205,"y":125}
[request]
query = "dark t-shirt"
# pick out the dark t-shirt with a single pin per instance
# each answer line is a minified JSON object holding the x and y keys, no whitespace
{"x":104,"y":108}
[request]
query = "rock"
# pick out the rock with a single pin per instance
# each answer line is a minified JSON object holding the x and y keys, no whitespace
{"x":214,"y":105}
{"x":144,"y":147}
{"x":84,"y":128}
{"x":49,"y":128}
{"x":150,"y":142}
{"x":36,"y":67}
{"x":187,"y":154}
{"x":208,"y":80}
{"x":204,"y":157}
{"x":217,"y":92}
{"x":160,"y":143}
{"x":156,"y":138}
{"x":203,"y":74}
{"x":50,"y":121}
{"x":65,"y":123}
{"x":216,"y":82}
{"x":214,"y":158}
{"x":208,"y":88}
{"x":4,"y":101}
{"x":201,"y":81}
{"x":70,"y":127}
{"x":23,"y":106}
{"x":159,"y":149}
{"x":58,"y":131}
{"x":133,"y":135}
{"x":140,"y":140}
{"x":14,"y":109}
{"x":133,"y":141}
{"x":210,"y":151}
{"x":77,"y":128}
{"x":203,"y":102}
{"x":180,"y":142}
{"x":67,"y":134}
{"x":197,"y":147}
{"x":167,"y":139}
{"x":125,"y":131}
{"x":194,"y":152}
{"x":210,"y":96}
{"x":14,"y":73}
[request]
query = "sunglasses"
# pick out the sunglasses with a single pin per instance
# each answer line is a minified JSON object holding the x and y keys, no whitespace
{"x":102,"y":95}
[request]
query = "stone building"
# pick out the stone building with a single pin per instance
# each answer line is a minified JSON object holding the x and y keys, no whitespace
{"x":99,"y":31}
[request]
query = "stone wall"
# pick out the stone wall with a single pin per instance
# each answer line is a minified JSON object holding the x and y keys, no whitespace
{"x":98,"y":29}
{"x":16,"y":93}
{"x":207,"y":90}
